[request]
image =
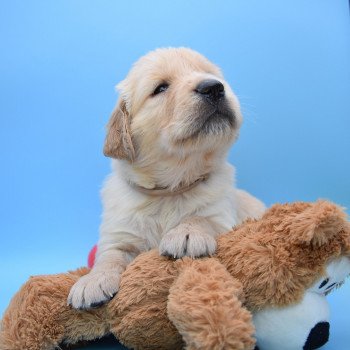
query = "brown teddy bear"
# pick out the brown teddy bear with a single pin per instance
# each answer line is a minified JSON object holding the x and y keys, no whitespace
{"x":261,"y":268}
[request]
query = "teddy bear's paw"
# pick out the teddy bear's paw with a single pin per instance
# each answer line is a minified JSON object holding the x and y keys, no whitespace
{"x":94,"y":289}
{"x":194,"y":244}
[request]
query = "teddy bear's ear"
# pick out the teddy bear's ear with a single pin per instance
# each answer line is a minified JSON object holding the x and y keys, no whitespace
{"x":317,"y":224}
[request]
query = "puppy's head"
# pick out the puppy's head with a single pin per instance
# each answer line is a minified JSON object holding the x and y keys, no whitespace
{"x":173,"y":102}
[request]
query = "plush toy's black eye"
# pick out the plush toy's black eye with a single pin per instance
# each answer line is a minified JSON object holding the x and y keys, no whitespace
{"x":324,"y":282}
{"x":160,"y":88}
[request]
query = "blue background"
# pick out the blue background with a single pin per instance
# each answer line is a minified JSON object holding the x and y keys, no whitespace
{"x":288,"y":62}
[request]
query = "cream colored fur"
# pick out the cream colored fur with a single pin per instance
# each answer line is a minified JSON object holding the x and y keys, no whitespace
{"x":165,"y":152}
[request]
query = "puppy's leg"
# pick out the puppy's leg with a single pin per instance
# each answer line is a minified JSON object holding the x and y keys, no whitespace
{"x":194,"y":237}
{"x":247,"y":206}
{"x":114,"y":253}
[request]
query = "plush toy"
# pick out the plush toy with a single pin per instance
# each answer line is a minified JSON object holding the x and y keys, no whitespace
{"x":273,"y":272}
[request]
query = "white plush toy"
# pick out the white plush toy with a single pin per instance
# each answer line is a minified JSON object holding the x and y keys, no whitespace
{"x":304,"y":326}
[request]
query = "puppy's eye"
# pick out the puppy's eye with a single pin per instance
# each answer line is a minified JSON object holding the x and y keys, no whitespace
{"x":160,"y":88}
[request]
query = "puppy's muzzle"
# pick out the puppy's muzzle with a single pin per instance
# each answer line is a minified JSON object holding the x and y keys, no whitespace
{"x":212,"y":90}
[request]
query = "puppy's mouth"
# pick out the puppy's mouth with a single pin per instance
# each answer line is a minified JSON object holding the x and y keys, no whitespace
{"x":215,"y":120}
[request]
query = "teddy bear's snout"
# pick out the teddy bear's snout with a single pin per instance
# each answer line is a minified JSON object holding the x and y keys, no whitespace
{"x":318,"y":336}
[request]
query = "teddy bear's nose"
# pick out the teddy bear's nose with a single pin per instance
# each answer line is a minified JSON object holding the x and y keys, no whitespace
{"x":318,"y":336}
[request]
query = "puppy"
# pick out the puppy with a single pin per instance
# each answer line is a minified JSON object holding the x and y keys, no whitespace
{"x":171,"y":186}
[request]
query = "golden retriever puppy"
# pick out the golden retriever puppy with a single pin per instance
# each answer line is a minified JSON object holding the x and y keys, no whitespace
{"x":171,"y":186}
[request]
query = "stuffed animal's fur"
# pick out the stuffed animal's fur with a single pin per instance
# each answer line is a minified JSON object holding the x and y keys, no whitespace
{"x":196,"y":304}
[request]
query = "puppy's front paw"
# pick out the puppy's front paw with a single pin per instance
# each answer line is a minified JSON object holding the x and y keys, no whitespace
{"x":178,"y":244}
{"x":94,"y":289}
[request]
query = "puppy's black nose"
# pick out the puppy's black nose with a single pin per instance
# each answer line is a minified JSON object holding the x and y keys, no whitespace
{"x":211,"y":89}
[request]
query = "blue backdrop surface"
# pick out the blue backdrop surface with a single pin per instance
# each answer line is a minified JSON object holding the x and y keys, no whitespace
{"x":288,"y":62}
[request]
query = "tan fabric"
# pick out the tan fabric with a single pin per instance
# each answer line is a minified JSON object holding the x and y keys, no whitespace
{"x":278,"y":257}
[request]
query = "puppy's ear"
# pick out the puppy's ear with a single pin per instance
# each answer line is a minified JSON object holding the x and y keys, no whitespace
{"x":318,"y":224}
{"x":118,"y":143}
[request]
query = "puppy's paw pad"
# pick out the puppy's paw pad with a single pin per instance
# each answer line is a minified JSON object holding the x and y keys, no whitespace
{"x":173,"y":246}
{"x":200,"y":245}
{"x":194,"y":244}
{"x":93,"y":290}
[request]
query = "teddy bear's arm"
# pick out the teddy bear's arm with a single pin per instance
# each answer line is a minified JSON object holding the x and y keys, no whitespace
{"x":205,"y":305}
{"x":38,"y":316}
